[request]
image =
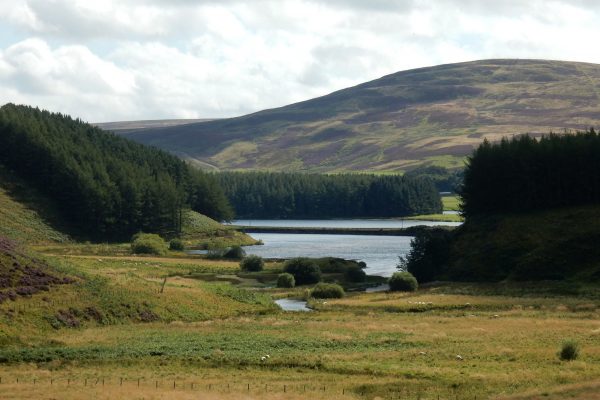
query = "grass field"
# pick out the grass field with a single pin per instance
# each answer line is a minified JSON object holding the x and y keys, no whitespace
{"x":438,"y":217}
{"x":213,"y":327}
{"x":451,"y":203}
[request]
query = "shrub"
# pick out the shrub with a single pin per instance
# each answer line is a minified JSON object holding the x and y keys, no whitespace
{"x":286,"y":280}
{"x":334,"y":264}
{"x":305,"y":270}
{"x":148,"y":243}
{"x":234,"y":253}
{"x":403,"y":282}
{"x":429,"y":254}
{"x":252,"y":263}
{"x":569,"y":350}
{"x":176,"y":244}
{"x":327,"y":291}
{"x":355,"y":274}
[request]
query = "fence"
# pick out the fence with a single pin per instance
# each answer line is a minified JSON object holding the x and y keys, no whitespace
{"x":67,"y":383}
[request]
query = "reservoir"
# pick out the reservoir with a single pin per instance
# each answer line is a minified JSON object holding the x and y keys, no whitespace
{"x":380,"y":253}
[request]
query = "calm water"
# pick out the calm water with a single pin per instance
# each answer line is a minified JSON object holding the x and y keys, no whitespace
{"x":339,"y":223}
{"x":379,"y":252}
{"x":292,"y":305}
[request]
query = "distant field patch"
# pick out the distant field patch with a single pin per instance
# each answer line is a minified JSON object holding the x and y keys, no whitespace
{"x":451,"y":203}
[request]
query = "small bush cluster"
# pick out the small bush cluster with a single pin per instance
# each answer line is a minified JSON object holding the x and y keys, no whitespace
{"x":569,"y":351}
{"x":304,"y":270}
{"x":327,"y":291}
{"x":148,"y":243}
{"x":403,"y":282}
{"x":286,"y":280}
{"x":234,"y":253}
{"x":176,"y":245}
{"x":252,"y":263}
{"x":355,"y":274}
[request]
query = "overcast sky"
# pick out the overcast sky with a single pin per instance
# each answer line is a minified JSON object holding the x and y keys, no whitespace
{"x":112,"y":60}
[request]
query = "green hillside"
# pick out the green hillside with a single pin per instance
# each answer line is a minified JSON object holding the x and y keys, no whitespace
{"x":547,"y":245}
{"x":426,"y":116}
{"x":104,"y":186}
{"x":24,"y":213}
{"x":531,"y":211}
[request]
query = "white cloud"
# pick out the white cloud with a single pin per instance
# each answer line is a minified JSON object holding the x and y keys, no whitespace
{"x":134,"y":59}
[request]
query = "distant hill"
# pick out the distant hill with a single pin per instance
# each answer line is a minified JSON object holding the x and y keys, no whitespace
{"x":426,"y":116}
{"x":133,"y":126}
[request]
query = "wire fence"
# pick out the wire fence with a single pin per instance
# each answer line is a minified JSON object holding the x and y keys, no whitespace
{"x":310,"y":390}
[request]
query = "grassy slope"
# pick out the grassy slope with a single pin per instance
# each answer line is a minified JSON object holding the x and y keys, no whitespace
{"x":430,"y":115}
{"x":20,"y":217}
{"x":201,"y":231}
{"x":550,"y":244}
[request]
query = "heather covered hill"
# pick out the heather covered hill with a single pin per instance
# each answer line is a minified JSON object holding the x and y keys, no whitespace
{"x":426,"y":116}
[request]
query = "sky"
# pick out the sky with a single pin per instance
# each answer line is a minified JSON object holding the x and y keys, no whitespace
{"x":119,"y":60}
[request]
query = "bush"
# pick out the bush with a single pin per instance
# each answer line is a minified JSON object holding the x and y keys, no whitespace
{"x":305,"y":270}
{"x":327,"y":291}
{"x":252,"y":263}
{"x":355,"y":274}
{"x":286,"y":280}
{"x":429,"y":254}
{"x":176,"y":244}
{"x":148,"y":243}
{"x":334,"y":264}
{"x":403,"y":282}
{"x":569,"y":351}
{"x":234,"y":253}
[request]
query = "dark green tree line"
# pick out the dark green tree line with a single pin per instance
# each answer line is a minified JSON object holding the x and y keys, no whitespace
{"x":523,"y":174}
{"x":296,"y":195}
{"x":106,"y":186}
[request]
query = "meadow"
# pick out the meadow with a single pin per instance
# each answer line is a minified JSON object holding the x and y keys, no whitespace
{"x":212,"y":325}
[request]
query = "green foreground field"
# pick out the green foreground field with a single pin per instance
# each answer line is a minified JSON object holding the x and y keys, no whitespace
{"x":214,"y":324}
